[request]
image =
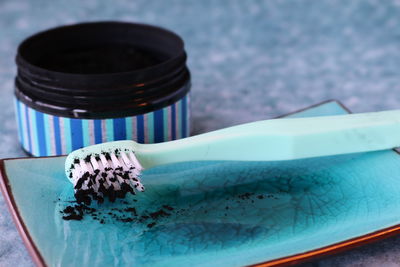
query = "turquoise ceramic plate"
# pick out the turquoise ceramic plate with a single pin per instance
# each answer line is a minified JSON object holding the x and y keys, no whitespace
{"x":212,"y":213}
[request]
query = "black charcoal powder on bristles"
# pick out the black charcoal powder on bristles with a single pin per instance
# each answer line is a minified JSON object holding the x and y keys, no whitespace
{"x":105,"y":176}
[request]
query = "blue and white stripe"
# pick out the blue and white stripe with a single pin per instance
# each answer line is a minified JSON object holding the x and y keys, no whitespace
{"x":43,"y":134}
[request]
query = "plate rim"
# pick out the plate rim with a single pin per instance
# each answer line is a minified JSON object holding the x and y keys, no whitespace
{"x":6,"y":190}
{"x":298,"y":258}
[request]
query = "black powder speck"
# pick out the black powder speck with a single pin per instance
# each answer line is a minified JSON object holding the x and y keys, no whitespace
{"x":77,"y":217}
{"x":126,"y":219}
{"x":245,"y":195}
{"x":150,"y":225}
{"x":168,"y":207}
{"x":158,"y":214}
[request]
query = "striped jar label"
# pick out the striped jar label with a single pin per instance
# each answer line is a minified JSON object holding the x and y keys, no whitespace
{"x":43,"y":134}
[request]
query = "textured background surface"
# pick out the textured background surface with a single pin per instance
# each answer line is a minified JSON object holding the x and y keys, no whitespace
{"x":249,"y":61}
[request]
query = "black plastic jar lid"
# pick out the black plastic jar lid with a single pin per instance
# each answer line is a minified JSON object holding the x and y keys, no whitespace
{"x":102,"y":70}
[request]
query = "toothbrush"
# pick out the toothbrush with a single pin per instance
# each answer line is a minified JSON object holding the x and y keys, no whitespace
{"x":111,"y":170}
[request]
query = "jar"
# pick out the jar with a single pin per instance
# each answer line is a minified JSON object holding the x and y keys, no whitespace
{"x":90,"y":83}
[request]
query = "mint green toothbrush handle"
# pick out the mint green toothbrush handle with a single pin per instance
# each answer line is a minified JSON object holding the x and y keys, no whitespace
{"x":282,"y":139}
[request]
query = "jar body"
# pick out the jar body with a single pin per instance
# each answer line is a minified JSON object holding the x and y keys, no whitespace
{"x":42,"y":134}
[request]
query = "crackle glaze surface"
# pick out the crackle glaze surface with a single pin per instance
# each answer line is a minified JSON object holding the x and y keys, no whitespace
{"x":220,"y":213}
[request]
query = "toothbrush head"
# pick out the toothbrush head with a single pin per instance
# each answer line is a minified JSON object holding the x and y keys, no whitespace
{"x":109,"y":170}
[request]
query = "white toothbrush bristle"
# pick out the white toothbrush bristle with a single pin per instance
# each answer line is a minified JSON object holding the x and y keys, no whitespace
{"x":107,"y":175}
{"x":135,"y":161}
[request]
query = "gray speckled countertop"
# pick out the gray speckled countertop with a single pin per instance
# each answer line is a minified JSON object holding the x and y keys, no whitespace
{"x":249,"y":61}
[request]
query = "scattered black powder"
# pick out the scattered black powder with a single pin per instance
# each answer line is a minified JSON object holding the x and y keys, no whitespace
{"x":131,"y":209}
{"x":128,"y":214}
{"x":78,"y":211}
{"x":72,"y":213}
